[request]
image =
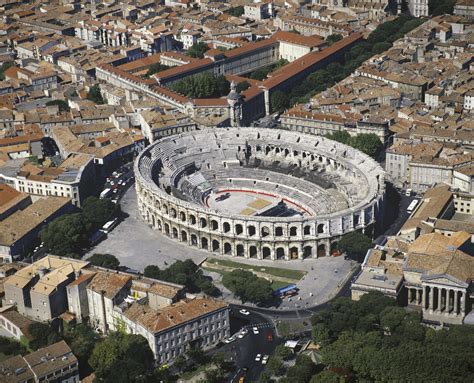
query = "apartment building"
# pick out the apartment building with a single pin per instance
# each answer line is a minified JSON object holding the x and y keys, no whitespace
{"x":39,"y":290}
{"x":54,"y":363}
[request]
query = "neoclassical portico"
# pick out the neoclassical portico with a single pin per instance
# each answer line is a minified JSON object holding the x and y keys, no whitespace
{"x":444,"y":303}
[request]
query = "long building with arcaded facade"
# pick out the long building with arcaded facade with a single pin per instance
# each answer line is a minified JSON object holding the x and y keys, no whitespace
{"x":257,"y":193}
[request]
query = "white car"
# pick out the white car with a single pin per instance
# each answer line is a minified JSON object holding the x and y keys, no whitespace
{"x":255,"y":330}
{"x":265,"y":359}
{"x":230,"y":340}
{"x":244,"y":312}
{"x":258,"y":357}
{"x":243,"y":333}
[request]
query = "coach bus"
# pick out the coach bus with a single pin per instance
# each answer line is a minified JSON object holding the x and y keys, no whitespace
{"x":108,"y":227}
{"x":412,"y":206}
{"x":286,"y":290}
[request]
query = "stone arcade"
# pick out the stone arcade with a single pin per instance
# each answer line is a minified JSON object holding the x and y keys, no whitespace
{"x":334,"y":188}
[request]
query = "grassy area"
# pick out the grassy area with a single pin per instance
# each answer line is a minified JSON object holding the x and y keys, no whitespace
{"x":275,"y":284}
{"x":275,"y":271}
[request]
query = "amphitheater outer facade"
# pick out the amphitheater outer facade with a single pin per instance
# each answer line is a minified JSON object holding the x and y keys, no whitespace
{"x":226,"y":158}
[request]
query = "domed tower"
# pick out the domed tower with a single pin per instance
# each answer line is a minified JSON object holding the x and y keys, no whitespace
{"x":234,"y":101}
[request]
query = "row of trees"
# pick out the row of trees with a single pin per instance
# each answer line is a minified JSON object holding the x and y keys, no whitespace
{"x":202,"y":85}
{"x":262,"y":73}
{"x":185,"y":273}
{"x":368,"y":143}
{"x":375,"y":340}
{"x":69,"y":234}
{"x":378,"y":41}
{"x":247,"y":286}
{"x":155,"y":68}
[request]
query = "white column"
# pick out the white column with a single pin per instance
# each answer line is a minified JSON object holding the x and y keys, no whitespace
{"x":418,"y":296}
{"x":456,"y":302}
{"x":431,"y":306}
{"x":423,"y":297}
{"x":440,"y":293}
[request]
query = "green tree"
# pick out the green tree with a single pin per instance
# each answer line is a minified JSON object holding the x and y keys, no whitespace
{"x":247,"y":286}
{"x":197,"y":50}
{"x":185,"y":273}
{"x":341,"y":136}
{"x":9,"y":346}
{"x":43,"y":335}
{"x":4,"y":67}
{"x":82,"y":340}
{"x":63,"y":105}
{"x":97,"y":212}
{"x":279,"y":101}
{"x":355,"y":244}
{"x":108,"y":261}
{"x":121,"y":357}
{"x":283,"y":352}
{"x":236,"y":11}
{"x":331,"y":39}
{"x":202,"y":85}
{"x":155,"y":68}
{"x":241,"y":86}
{"x":274,"y":365}
{"x":327,"y":376}
{"x":369,"y":144}
{"x":66,"y":235}
{"x":381,"y":47}
{"x":95,"y":95}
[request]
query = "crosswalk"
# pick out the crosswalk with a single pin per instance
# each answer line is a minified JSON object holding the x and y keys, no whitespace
{"x":259,"y":325}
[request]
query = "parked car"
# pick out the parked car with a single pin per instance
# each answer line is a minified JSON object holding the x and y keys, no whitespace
{"x":258,"y":357}
{"x":265,"y":359}
{"x":255,"y":330}
{"x":244,"y":312}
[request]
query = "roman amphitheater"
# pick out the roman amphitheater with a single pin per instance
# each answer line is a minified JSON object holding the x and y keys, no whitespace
{"x":257,"y":193}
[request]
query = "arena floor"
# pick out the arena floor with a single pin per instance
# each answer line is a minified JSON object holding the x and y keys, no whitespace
{"x":249,"y":203}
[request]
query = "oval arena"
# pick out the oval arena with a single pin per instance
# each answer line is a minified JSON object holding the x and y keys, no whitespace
{"x":257,"y":193}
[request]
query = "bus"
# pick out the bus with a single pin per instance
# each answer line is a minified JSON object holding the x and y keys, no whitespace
{"x":105,"y":193}
{"x":412,"y":206}
{"x":98,"y":236}
{"x":108,"y":227}
{"x":283,"y":291}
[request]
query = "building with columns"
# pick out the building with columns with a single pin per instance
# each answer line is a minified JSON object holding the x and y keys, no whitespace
{"x":433,"y":275}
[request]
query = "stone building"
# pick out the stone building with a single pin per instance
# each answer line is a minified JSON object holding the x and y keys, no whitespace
{"x":39,"y":291}
{"x":198,"y":165}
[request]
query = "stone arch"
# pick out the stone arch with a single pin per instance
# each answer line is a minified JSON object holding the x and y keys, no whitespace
{"x":175,"y":232}
{"x":321,"y":228}
{"x":294,"y":252}
{"x":202,"y":222}
{"x":265,"y":231}
{"x":307,"y":251}
{"x":153,"y":223}
{"x":192,"y":219}
{"x":307,"y":230}
{"x":226,"y":227}
{"x":194,"y":240}
{"x":278,"y":231}
{"x":334,"y":247}
{"x":173,"y":212}
{"x":215,"y":245}
{"x":239,"y":229}
{"x":165,"y":209}
{"x":214,"y":224}
{"x":293,"y":231}
{"x":159,"y":225}
{"x":266,"y":252}
{"x":322,"y":250}
{"x":240,"y":250}
{"x":253,"y":251}
{"x":227,"y":248}
{"x":251,"y":230}
{"x":280,"y":253}
{"x":184,"y":236}
{"x":167,"y":229}
{"x":182,"y":216}
{"x":204,"y":243}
